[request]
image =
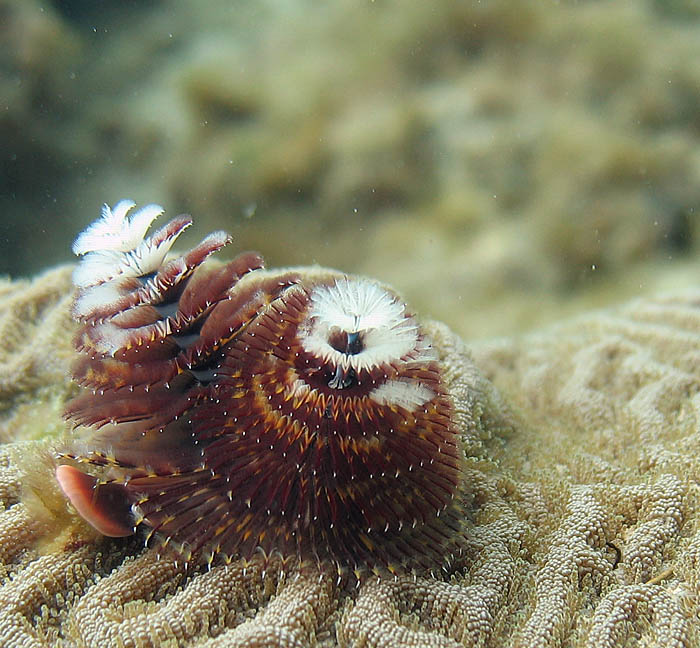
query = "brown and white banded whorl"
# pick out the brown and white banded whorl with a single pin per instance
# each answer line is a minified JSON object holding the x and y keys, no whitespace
{"x":237,"y":409}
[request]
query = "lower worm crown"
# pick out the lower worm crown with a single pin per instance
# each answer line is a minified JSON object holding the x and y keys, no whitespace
{"x":233,"y":409}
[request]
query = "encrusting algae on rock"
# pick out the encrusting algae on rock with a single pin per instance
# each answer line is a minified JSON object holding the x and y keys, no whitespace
{"x":581,"y":522}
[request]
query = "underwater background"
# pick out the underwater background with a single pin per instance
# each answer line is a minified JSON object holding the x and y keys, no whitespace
{"x":501,"y":163}
{"x":527,"y":172}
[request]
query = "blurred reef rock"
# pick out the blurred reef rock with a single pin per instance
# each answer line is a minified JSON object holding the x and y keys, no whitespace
{"x":535,"y":154}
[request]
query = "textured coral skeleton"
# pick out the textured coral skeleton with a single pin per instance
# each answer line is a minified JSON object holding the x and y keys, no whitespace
{"x":584,"y":528}
{"x":31,"y":309}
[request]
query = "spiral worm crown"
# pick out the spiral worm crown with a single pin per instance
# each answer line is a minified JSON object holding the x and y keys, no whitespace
{"x":234,"y":410}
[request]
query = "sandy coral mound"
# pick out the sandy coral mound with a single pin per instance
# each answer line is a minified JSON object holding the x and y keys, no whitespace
{"x":35,"y":354}
{"x":582,"y":445}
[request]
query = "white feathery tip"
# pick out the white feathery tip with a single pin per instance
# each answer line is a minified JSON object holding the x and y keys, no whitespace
{"x":116,"y":230}
{"x":356,"y":305}
{"x":116,"y":245}
{"x":409,"y":394}
{"x":359,"y":306}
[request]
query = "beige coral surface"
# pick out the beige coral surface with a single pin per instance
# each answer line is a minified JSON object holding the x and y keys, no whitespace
{"x":582,"y":443}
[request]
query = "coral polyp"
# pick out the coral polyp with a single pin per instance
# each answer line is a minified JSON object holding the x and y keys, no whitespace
{"x":231,"y":409}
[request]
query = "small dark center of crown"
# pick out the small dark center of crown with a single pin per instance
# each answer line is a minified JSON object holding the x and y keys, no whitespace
{"x":347,"y":343}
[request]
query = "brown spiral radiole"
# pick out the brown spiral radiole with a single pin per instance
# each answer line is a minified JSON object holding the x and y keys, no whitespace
{"x":235,"y":410}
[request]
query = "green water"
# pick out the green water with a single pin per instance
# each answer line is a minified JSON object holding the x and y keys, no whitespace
{"x":500,"y":163}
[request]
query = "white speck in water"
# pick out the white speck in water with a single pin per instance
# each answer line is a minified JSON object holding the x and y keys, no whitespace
{"x":250,"y":209}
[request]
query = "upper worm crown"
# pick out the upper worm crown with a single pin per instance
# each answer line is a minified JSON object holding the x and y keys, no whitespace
{"x":233,"y":409}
